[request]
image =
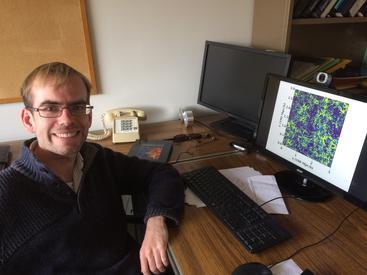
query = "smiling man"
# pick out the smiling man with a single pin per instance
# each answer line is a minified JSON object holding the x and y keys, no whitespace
{"x":60,"y":202}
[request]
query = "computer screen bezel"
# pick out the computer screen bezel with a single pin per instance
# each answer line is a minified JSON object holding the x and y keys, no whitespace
{"x":242,"y":119}
{"x":263,"y":132}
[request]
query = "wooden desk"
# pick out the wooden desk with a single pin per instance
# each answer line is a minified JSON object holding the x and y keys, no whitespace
{"x":202,"y":245}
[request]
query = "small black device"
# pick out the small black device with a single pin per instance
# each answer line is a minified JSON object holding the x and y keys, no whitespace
{"x":249,"y":223}
{"x":320,"y":135}
{"x":252,"y":269}
{"x":232,"y":82}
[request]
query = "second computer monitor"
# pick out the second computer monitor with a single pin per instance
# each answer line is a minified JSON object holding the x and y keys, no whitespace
{"x":232,"y":82}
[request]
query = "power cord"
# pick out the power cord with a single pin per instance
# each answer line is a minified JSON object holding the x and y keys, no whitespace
{"x":318,"y":242}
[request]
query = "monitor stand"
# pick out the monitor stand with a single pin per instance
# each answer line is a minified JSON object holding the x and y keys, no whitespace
{"x":301,"y":187}
{"x":234,"y":127}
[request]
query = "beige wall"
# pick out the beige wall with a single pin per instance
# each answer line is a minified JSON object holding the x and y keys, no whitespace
{"x":148,"y":54}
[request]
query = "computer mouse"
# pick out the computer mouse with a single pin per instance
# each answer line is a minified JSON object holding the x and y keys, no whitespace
{"x":252,"y":269}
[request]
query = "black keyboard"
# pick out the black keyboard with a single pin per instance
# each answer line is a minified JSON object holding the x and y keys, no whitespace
{"x":250,"y":224}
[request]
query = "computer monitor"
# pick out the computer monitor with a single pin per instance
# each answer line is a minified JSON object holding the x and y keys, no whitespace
{"x":320,"y":135}
{"x":232,"y":82}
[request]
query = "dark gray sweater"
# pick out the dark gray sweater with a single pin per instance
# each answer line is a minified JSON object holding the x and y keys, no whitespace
{"x":45,"y":228}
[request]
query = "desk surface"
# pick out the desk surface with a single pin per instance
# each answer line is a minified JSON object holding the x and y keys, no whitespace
{"x":202,"y":245}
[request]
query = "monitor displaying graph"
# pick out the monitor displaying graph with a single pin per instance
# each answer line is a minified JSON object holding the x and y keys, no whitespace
{"x":320,"y":132}
{"x":314,"y":126}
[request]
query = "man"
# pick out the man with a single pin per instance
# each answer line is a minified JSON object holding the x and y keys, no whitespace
{"x":60,"y":202}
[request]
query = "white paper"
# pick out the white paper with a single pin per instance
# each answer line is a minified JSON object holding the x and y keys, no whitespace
{"x":259,"y":188}
{"x":192,"y":199}
{"x":239,"y":175}
{"x":288,"y":267}
{"x":264,"y":189}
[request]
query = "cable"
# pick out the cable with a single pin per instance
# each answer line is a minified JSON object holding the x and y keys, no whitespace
{"x":318,"y":242}
{"x":276,"y":198}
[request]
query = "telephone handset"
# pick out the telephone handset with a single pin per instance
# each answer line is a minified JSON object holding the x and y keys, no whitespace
{"x":125,"y":125}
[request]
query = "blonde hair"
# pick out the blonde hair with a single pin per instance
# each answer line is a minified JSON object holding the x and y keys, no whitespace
{"x":59,"y":72}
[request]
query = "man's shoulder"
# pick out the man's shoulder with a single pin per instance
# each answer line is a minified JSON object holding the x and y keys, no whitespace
{"x":7,"y":176}
{"x":10,"y":186}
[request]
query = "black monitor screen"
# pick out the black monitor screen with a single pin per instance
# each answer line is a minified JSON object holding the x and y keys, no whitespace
{"x":320,"y":134}
{"x":232,"y":79}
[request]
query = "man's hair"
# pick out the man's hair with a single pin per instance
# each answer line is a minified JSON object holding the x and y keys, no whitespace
{"x":57,"y":72}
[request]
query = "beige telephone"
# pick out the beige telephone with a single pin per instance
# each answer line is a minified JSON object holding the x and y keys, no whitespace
{"x":125,"y":125}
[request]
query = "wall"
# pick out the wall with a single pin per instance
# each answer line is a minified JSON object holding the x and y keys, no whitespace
{"x":148,"y":54}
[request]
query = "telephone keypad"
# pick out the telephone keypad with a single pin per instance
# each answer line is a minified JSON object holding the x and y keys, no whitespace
{"x":126,"y":125}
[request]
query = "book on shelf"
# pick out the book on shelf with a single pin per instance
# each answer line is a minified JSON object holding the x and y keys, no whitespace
{"x":299,"y":8}
{"x":344,"y":8}
{"x":363,"y":10}
{"x":329,"y":62}
{"x":302,"y":66}
{"x":316,"y":13}
{"x":306,"y":68}
{"x":343,"y":83}
{"x":340,"y":65}
{"x":336,"y":8}
{"x":356,"y":7}
{"x":327,"y":9}
{"x":309,"y":8}
{"x":157,"y":150}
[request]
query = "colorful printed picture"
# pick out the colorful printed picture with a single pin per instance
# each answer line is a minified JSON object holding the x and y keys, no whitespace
{"x":151,"y":152}
{"x":158,"y":150}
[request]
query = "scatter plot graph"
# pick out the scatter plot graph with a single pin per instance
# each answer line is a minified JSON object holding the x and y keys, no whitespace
{"x":314,"y":126}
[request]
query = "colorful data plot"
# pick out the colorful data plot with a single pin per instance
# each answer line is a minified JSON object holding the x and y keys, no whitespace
{"x":314,"y":126}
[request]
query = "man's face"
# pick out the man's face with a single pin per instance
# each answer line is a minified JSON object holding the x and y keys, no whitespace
{"x":63,"y":135}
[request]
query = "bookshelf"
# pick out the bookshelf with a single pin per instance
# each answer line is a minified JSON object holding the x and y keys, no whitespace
{"x":274,"y":28}
{"x":331,"y":20}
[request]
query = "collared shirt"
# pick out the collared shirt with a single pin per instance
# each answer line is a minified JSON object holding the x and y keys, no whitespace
{"x":77,"y":170}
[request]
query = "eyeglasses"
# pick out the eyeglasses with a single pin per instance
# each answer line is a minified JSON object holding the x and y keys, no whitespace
{"x":182,"y":137}
{"x":54,"y":110}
